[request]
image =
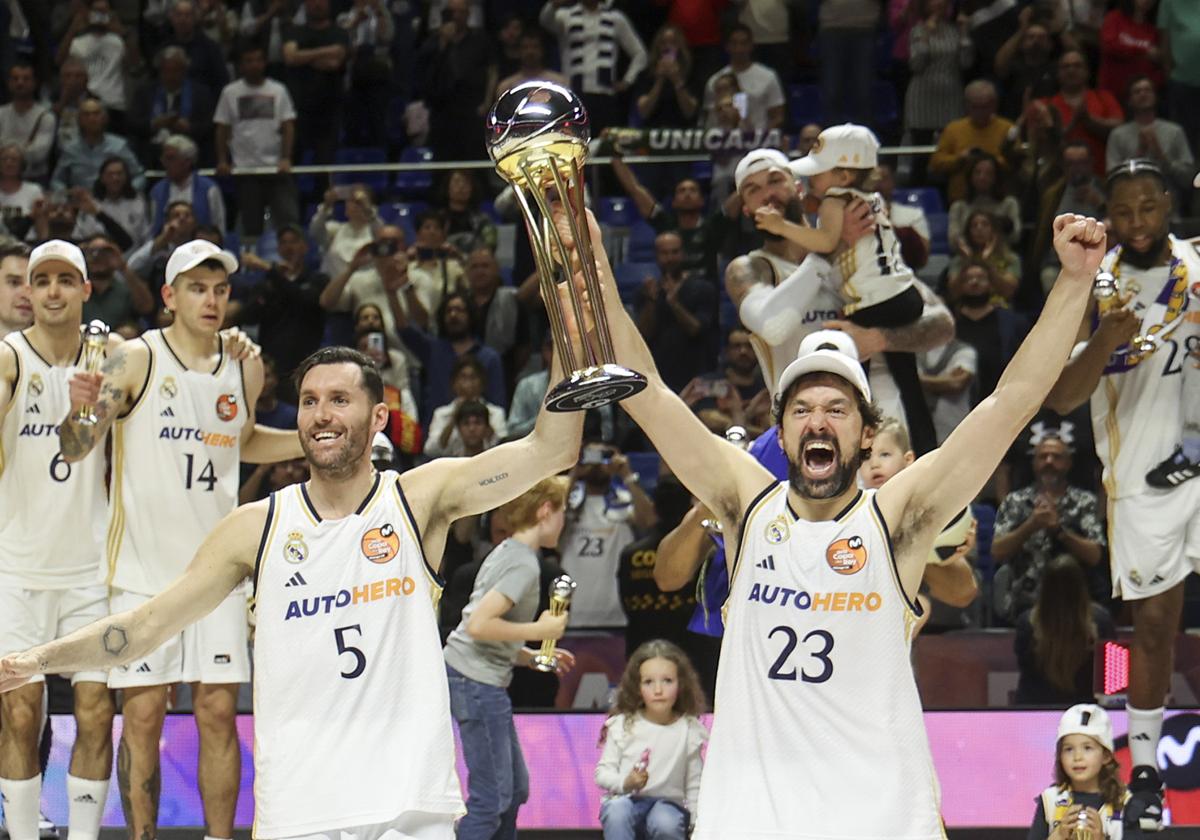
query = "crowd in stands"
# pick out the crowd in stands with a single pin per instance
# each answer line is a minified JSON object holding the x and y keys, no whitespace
{"x":113,"y":108}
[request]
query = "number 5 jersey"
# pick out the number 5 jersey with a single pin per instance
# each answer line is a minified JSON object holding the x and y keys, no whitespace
{"x":817,"y":727}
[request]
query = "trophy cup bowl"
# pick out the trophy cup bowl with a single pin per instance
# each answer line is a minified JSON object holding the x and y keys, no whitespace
{"x":561,"y":589}
{"x":537,"y":135}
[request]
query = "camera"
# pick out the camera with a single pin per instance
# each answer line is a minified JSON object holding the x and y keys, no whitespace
{"x":596,"y":455}
{"x":385,"y":248}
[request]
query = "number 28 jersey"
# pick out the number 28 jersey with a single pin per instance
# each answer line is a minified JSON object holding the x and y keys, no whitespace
{"x":817,"y":726}
{"x":174,"y":468}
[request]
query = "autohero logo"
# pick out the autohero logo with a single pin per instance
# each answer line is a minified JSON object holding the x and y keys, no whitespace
{"x":786,"y":596}
{"x":376,"y":590}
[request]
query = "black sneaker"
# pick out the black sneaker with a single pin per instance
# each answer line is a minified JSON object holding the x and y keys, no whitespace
{"x":1144,"y":809}
{"x":1172,"y":472}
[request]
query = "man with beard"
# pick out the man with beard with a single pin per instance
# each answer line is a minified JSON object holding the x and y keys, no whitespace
{"x":181,"y":406}
{"x":342,"y":570}
{"x":825,"y":577}
{"x":1137,"y":414}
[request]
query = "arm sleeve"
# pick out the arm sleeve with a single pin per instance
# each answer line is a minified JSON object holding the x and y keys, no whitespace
{"x":632,"y":45}
{"x":223,"y":115}
{"x":608,"y":768}
{"x":515,"y":580}
{"x":775,"y":314}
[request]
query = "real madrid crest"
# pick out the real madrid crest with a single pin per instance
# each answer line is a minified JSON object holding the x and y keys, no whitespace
{"x":295,"y":550}
{"x":35,"y":385}
{"x":777,"y":530}
{"x":168,"y":388}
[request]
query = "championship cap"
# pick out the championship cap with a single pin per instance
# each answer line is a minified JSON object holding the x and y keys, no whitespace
{"x":57,"y":249}
{"x":190,"y":254}
{"x":847,"y":146}
{"x":757,"y":161}
{"x":827,"y":351}
{"x":1087,"y":719}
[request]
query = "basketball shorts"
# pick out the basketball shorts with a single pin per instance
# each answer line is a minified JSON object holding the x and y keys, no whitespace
{"x":413,"y":825}
{"x":1154,"y":540}
{"x":31,"y":617}
{"x":213,"y":651}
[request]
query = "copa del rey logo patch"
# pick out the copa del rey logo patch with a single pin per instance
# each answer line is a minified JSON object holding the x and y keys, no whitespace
{"x":846,"y":556}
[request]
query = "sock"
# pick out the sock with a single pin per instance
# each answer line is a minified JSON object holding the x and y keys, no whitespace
{"x":1191,"y":448}
{"x":1145,"y":727}
{"x":22,"y":800}
{"x":86,"y":798}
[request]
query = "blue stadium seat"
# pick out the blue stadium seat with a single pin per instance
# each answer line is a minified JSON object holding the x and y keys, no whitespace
{"x":404,"y":214}
{"x":306,"y":184}
{"x":928,"y":199}
{"x":804,"y":103}
{"x":702,"y":170}
{"x":396,"y":132}
{"x":231,"y":241}
{"x":646,"y":465}
{"x":630,"y":276}
{"x":618,"y":211}
{"x":418,"y":182}
{"x":376,"y":181}
{"x":641,"y":242}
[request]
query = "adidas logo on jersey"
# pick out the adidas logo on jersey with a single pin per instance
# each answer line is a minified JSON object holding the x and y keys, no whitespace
{"x":296,"y":580}
{"x":167,"y":412}
{"x":86,"y":799}
{"x":767,"y":562}
{"x":33,"y":409}
{"x":144,"y":668}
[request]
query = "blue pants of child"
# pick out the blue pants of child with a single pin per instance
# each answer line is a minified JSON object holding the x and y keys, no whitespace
{"x":643,"y":818}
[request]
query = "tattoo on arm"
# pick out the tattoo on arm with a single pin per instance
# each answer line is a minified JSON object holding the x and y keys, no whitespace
{"x":77,"y":439}
{"x":934,"y":328}
{"x":115,"y":640}
{"x":740,"y":278}
{"x":493,"y":479}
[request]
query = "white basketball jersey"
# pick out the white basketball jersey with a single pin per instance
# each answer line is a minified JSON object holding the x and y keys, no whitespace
{"x":591,"y":547}
{"x":817,"y":727}
{"x":351,"y":704}
{"x":873,"y":270}
{"x":175,"y":468}
{"x":1137,"y":415}
{"x":53,"y":523}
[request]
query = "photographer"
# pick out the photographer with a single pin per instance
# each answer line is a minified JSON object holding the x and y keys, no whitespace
{"x":340,"y":241}
{"x":365,"y":279}
{"x":435,"y":266}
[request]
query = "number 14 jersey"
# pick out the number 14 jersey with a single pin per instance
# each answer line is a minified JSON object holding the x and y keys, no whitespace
{"x":817,"y":726}
{"x":174,"y":468}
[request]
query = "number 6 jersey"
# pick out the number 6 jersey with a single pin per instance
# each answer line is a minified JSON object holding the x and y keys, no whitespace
{"x":351,"y":703}
{"x":174,"y":468}
{"x":817,"y":728}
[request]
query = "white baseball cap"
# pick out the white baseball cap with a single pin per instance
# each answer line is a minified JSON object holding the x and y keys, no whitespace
{"x":850,"y":146}
{"x":1087,"y":719}
{"x":758,"y":161}
{"x":190,"y":254}
{"x":57,"y":249}
{"x":827,"y":351}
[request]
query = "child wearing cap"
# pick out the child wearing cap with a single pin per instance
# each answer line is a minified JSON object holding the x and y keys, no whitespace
{"x":1087,"y":794}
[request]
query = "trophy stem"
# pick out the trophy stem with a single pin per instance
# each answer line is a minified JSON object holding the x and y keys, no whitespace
{"x":545,"y":270}
{"x":583,"y":244}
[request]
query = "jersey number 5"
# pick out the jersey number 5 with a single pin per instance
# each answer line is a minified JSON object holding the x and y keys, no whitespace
{"x":360,"y":658}
{"x":776,"y":671}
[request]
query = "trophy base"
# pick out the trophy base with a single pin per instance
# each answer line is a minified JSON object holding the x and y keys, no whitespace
{"x":594,"y":387}
{"x":545,"y":664}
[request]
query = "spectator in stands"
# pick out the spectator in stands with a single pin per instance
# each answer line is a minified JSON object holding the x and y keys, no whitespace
{"x":729,"y":396}
{"x":1087,"y":114}
{"x":72,"y":90}
{"x":119,"y":295}
{"x":474,"y":428}
{"x":700,"y":21}
{"x":847,"y":42}
{"x":530,"y":391}
{"x":316,"y":53}
{"x":1078,"y":190}
{"x":368,"y":23}
{"x":466,"y":384}
{"x":663,"y":91}
{"x":1056,"y":638}
{"x":994,"y":331}
{"x":727,"y":111}
{"x":1025,"y":65}
{"x":454,"y":75}
{"x":435,"y":266}
{"x":393,"y":367}
{"x":206,"y":58}
{"x":674,"y":315}
{"x":183,"y":183}
{"x":1129,"y":48}
{"x":79,"y":163}
{"x":508,"y":46}
{"x":983,"y":239}
{"x":503,"y":319}
{"x":947,"y":374}
{"x":1047,"y":518}
{"x":1180,"y":40}
{"x":150,"y":260}
{"x":740,"y":366}
{"x":532,"y":63}
{"x":363,"y":281}
{"x":338,"y":242}
{"x":285,"y":304}
{"x":266,"y":22}
{"x":807,"y":138}
{"x":17,"y":196}
{"x":1147,"y":136}
{"x":174,"y":103}
{"x":59,"y":216}
{"x":456,"y":337}
{"x":908,"y":220}
{"x":468,"y":226}
{"x":28,"y":122}
{"x":979,"y":131}
{"x":939,"y":53}
{"x":267,"y":478}
{"x":272,"y":409}
{"x":591,"y":40}
{"x":986,"y":193}
{"x":765,"y":103}
{"x":98,"y":39}
{"x":1034,"y":153}
{"x":256,"y":126}
{"x":606,"y":503}
{"x":770,"y":27}
{"x":116,"y":199}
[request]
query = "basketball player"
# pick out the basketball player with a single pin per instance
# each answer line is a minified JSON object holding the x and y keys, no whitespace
{"x":48,"y":576}
{"x":352,"y":727}
{"x":1154,"y":535}
{"x":16,"y":312}
{"x":818,"y":731}
{"x":182,"y":414}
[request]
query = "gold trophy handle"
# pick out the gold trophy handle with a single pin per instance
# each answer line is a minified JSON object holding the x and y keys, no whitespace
{"x":545,"y":660}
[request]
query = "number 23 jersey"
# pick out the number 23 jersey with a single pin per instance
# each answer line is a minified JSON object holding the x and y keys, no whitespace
{"x":817,"y":727}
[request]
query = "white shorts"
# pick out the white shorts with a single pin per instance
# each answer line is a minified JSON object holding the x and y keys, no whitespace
{"x":213,"y":651}
{"x":31,"y":617}
{"x":415,"y":825}
{"x":1154,"y":540}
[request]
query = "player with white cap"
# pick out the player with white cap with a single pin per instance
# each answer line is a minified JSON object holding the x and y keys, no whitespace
{"x":182,"y":414}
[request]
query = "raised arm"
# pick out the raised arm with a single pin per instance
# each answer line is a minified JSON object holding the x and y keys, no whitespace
{"x":1082,"y":374}
{"x":681,"y":552}
{"x":262,"y":444}
{"x":112,"y":391}
{"x":642,"y":199}
{"x":224,"y":559}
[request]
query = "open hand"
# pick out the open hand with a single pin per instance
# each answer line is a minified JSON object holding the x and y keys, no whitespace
{"x":239,"y":346}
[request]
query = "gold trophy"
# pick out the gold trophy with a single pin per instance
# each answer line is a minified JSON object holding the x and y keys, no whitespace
{"x":1107,"y":294}
{"x":561,"y":590}
{"x":95,"y":343}
{"x":537,"y":135}
{"x":1081,"y":830}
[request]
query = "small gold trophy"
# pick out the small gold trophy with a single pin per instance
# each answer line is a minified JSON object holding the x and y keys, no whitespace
{"x":537,"y":135}
{"x":1106,"y":292}
{"x":1082,"y":831}
{"x":95,"y":342}
{"x":560,"y":600}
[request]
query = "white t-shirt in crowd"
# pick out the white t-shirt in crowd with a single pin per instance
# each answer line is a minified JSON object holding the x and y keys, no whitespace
{"x":14,"y":205}
{"x":255,"y":114}
{"x":761,"y":86}
{"x":948,"y":411}
{"x":104,"y":55}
